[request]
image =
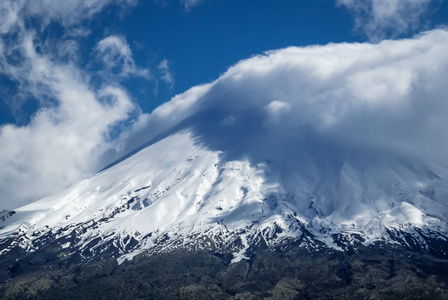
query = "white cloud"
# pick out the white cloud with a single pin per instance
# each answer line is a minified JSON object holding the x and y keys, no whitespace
{"x":165,"y":73}
{"x":382,"y":18}
{"x":276,"y":107}
{"x":67,"y":13}
{"x":116,"y":55}
{"x":63,"y":143}
{"x":388,"y":96}
{"x":69,"y":134}
{"x":190,"y":3}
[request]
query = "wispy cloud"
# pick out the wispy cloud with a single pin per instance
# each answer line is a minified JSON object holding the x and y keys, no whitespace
{"x":116,"y":56}
{"x":68,"y":134}
{"x":63,"y":143}
{"x":379,"y":19}
{"x":165,"y":73}
{"x":191,"y":3}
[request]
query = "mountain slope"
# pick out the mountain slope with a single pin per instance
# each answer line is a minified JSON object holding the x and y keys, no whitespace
{"x":177,"y":193}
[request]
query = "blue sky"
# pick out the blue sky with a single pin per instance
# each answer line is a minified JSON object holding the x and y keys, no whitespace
{"x":203,"y":42}
{"x":79,"y":80}
{"x":200,"y":42}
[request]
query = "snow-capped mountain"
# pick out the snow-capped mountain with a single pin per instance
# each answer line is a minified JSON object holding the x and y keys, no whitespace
{"x":179,"y":193}
{"x":265,"y":157}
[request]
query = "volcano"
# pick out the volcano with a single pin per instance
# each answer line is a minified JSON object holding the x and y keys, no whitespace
{"x":239,"y":167}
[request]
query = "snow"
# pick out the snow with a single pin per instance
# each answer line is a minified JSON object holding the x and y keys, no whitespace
{"x":182,"y":188}
{"x":238,"y":256}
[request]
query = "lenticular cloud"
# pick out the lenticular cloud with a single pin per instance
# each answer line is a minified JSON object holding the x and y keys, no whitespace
{"x":387,"y":96}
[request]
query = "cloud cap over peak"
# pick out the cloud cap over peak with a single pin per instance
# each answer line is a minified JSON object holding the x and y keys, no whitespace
{"x":387,"y":96}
